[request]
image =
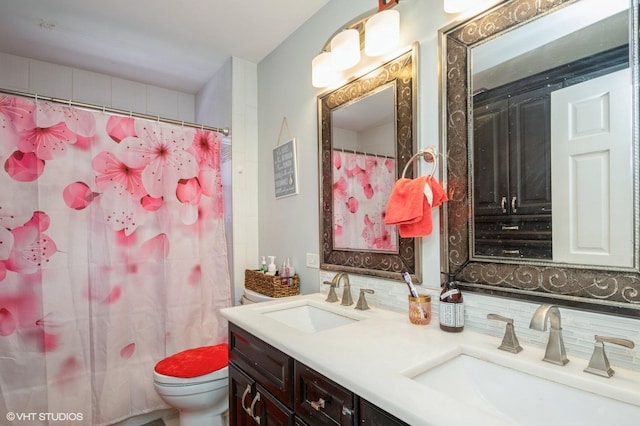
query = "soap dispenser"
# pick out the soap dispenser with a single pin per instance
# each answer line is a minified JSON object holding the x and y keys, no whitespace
{"x":271,"y":268}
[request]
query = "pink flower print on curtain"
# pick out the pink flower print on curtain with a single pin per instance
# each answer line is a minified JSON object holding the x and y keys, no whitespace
{"x":162,"y":153}
{"x":361,"y":187}
{"x":112,"y":256}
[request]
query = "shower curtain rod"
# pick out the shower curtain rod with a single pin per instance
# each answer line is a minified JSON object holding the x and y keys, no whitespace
{"x":225,"y":131}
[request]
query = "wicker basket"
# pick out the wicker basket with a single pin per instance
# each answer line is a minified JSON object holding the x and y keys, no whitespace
{"x":270,"y":285}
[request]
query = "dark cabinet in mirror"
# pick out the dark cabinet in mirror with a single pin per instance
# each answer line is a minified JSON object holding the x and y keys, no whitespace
{"x":366,"y":132}
{"x":541,"y":140}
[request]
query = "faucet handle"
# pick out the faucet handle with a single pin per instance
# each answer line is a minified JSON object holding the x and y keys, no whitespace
{"x":509,"y":341}
{"x":332,"y":296}
{"x":599,"y":363}
{"x":362,"y":301}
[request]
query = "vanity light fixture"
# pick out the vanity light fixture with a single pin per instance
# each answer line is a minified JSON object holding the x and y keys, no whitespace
{"x":382,"y":33}
{"x":345,"y":49}
{"x":379,"y":32}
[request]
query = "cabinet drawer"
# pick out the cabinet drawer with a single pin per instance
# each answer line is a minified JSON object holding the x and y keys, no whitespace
{"x":514,"y":249}
{"x":534,"y":227}
{"x":320,"y":401}
{"x":271,"y":368}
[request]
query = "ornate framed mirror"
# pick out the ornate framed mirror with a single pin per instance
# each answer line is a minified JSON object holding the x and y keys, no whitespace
{"x":367,"y":134}
{"x":529,"y":215}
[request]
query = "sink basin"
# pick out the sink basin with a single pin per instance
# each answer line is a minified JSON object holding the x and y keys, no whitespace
{"x":310,"y":317}
{"x":523,"y":398}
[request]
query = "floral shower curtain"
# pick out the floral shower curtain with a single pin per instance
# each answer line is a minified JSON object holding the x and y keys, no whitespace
{"x":361,"y":187}
{"x":112,"y":256}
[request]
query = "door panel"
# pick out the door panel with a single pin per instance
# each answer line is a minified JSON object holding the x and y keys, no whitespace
{"x":592,"y":173}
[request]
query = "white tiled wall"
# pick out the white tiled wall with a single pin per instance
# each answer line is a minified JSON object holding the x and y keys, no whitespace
{"x":244,"y":170}
{"x":56,"y":81}
{"x":578,"y":327}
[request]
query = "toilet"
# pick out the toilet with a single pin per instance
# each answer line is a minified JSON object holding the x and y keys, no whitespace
{"x":250,"y":296}
{"x":196,"y":383}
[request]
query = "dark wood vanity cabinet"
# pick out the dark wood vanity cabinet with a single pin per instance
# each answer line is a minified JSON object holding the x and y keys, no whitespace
{"x":268,"y":387}
{"x":512,"y":174}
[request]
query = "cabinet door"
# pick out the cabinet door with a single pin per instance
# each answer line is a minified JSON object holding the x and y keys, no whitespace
{"x":370,"y":415}
{"x":241,"y":389}
{"x":490,"y":159}
{"x":270,"y":412}
{"x":530,"y":152}
{"x":252,"y":404}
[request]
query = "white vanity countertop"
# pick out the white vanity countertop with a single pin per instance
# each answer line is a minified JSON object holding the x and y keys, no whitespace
{"x":374,"y":358}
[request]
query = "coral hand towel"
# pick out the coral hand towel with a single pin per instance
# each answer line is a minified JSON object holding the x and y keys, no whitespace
{"x":424,"y":226}
{"x":406,"y":202}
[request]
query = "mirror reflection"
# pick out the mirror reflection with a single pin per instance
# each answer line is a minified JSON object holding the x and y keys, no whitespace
{"x":366,"y":130}
{"x":364,"y":172}
{"x":542,"y":163}
{"x":552,"y":138}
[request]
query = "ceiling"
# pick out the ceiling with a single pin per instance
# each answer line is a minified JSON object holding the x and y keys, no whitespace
{"x":168,"y":43}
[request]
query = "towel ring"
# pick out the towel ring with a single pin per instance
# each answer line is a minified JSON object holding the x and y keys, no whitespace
{"x":427,"y":151}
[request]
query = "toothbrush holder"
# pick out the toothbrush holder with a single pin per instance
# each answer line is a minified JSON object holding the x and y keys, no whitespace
{"x":420,"y":309}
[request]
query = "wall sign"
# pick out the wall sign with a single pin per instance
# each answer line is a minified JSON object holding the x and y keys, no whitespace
{"x":285,"y":170}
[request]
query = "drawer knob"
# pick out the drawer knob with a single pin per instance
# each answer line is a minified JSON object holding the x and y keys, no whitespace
{"x":317,"y":405}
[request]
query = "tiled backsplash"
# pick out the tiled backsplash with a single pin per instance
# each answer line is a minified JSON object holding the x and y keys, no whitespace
{"x":578,"y":327}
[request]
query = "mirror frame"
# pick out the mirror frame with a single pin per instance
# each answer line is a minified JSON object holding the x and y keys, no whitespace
{"x":401,"y":74}
{"x":589,"y":288}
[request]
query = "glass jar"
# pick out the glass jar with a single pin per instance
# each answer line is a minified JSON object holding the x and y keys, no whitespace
{"x":420,"y":309}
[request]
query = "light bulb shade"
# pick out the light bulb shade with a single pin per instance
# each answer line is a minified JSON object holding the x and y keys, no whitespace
{"x":456,"y":6}
{"x":345,"y":49}
{"x":382,"y":33}
{"x":323,"y":74}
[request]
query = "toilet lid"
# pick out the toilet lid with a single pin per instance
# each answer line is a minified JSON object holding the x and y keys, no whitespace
{"x":221,"y":376}
{"x":194,"y":362}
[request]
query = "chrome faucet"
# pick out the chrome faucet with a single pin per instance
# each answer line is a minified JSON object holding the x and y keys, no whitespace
{"x":347,"y":300}
{"x":555,"y":352}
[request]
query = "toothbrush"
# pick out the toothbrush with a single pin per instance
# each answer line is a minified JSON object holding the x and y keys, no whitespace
{"x":407,"y":279}
{"x":413,"y":292}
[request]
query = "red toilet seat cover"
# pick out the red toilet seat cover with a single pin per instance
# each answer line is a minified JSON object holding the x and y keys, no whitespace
{"x":195,"y":362}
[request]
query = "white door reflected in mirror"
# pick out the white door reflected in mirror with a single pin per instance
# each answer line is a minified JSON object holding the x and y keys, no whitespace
{"x":592,"y":174}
